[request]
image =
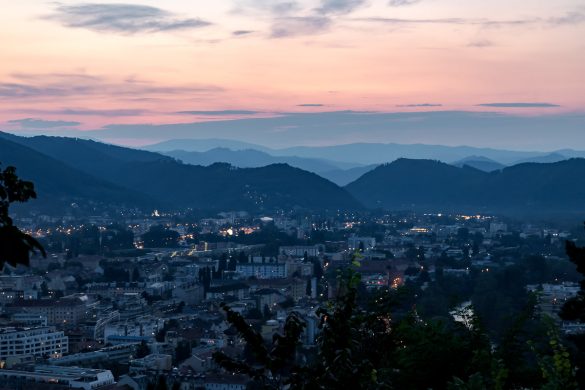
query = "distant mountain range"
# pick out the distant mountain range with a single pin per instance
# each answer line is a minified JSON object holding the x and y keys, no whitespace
{"x":338,"y":172}
{"x":479,"y":162}
{"x":69,"y":169}
{"x":426,"y":185}
{"x":202,"y":145}
{"x":374,"y":153}
{"x":343,"y":164}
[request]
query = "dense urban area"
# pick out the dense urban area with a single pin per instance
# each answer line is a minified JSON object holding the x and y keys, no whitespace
{"x":134,"y":301}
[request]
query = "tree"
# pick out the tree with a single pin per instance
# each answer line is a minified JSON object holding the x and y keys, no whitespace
{"x":463,"y":234}
{"x":274,"y":364}
{"x":15,"y":245}
{"x":117,"y":237}
{"x":379,"y":340}
{"x":574,"y":308}
{"x":183,"y":351}
{"x":242,"y":258}
{"x":232,"y":263}
{"x":267,"y":312}
{"x":44,"y":289}
{"x":142,"y":350}
{"x":162,"y":383}
{"x":159,"y":236}
{"x":420,"y":254}
{"x":222,"y":266}
{"x":135,"y":275}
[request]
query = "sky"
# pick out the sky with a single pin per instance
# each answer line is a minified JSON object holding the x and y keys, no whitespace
{"x":507,"y":74}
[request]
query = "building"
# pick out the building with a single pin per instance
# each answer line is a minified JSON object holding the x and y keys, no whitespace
{"x":72,"y":377}
{"x":40,"y":342}
{"x":151,"y":363}
{"x":102,"y":320}
{"x":190,"y":293}
{"x":300,"y":268}
{"x":263,"y":269}
{"x":19,"y":282}
{"x":31,"y":320}
{"x":118,"y":353}
{"x":57,"y":312}
{"x":226,"y":382}
{"x":9,"y":296}
{"x":551,"y":297}
{"x":300,"y":251}
{"x":145,"y":326}
{"x":201,"y":359}
{"x":365,"y":243}
{"x":267,"y":297}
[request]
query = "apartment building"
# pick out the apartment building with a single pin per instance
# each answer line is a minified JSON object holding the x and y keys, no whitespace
{"x":40,"y":341}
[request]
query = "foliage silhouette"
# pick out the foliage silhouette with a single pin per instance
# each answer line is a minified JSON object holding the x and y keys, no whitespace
{"x":274,"y":364}
{"x":383,"y":343}
{"x":574,"y":308}
{"x":15,"y":245}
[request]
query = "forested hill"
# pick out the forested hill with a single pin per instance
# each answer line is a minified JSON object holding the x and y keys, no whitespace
{"x":169,"y":183}
{"x":427,"y":185}
{"x":59,"y":185}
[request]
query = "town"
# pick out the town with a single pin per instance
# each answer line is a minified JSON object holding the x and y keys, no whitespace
{"x":136,"y":301}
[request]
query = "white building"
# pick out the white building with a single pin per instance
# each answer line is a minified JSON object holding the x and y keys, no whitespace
{"x":299,"y":251}
{"x":42,"y":341}
{"x":72,"y":377}
{"x":152,"y":362}
{"x":353,"y":243}
{"x":145,"y":326}
{"x":262,"y":270}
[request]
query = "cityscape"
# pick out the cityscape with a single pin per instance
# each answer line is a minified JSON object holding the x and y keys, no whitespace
{"x":292,"y":195}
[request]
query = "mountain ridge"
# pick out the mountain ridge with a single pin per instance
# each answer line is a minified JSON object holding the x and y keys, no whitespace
{"x":173,"y":184}
{"x":429,"y":185}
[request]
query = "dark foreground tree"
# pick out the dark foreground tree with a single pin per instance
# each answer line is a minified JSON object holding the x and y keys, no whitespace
{"x":574,"y":308}
{"x":383,"y":343}
{"x":275,"y":364}
{"x":15,"y":245}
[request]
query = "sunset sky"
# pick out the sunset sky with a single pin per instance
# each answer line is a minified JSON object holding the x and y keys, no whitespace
{"x":72,"y":66}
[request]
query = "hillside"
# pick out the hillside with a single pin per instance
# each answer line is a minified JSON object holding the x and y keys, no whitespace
{"x":172,"y":184}
{"x":427,"y":185}
{"x":58,"y":185}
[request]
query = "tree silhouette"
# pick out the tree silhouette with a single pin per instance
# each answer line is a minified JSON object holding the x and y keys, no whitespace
{"x":574,"y":308}
{"x":142,"y":350}
{"x":275,"y":363}
{"x":15,"y":245}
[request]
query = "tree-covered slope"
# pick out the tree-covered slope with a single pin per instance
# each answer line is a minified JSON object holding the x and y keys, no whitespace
{"x":435,"y":186}
{"x":173,"y":184}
